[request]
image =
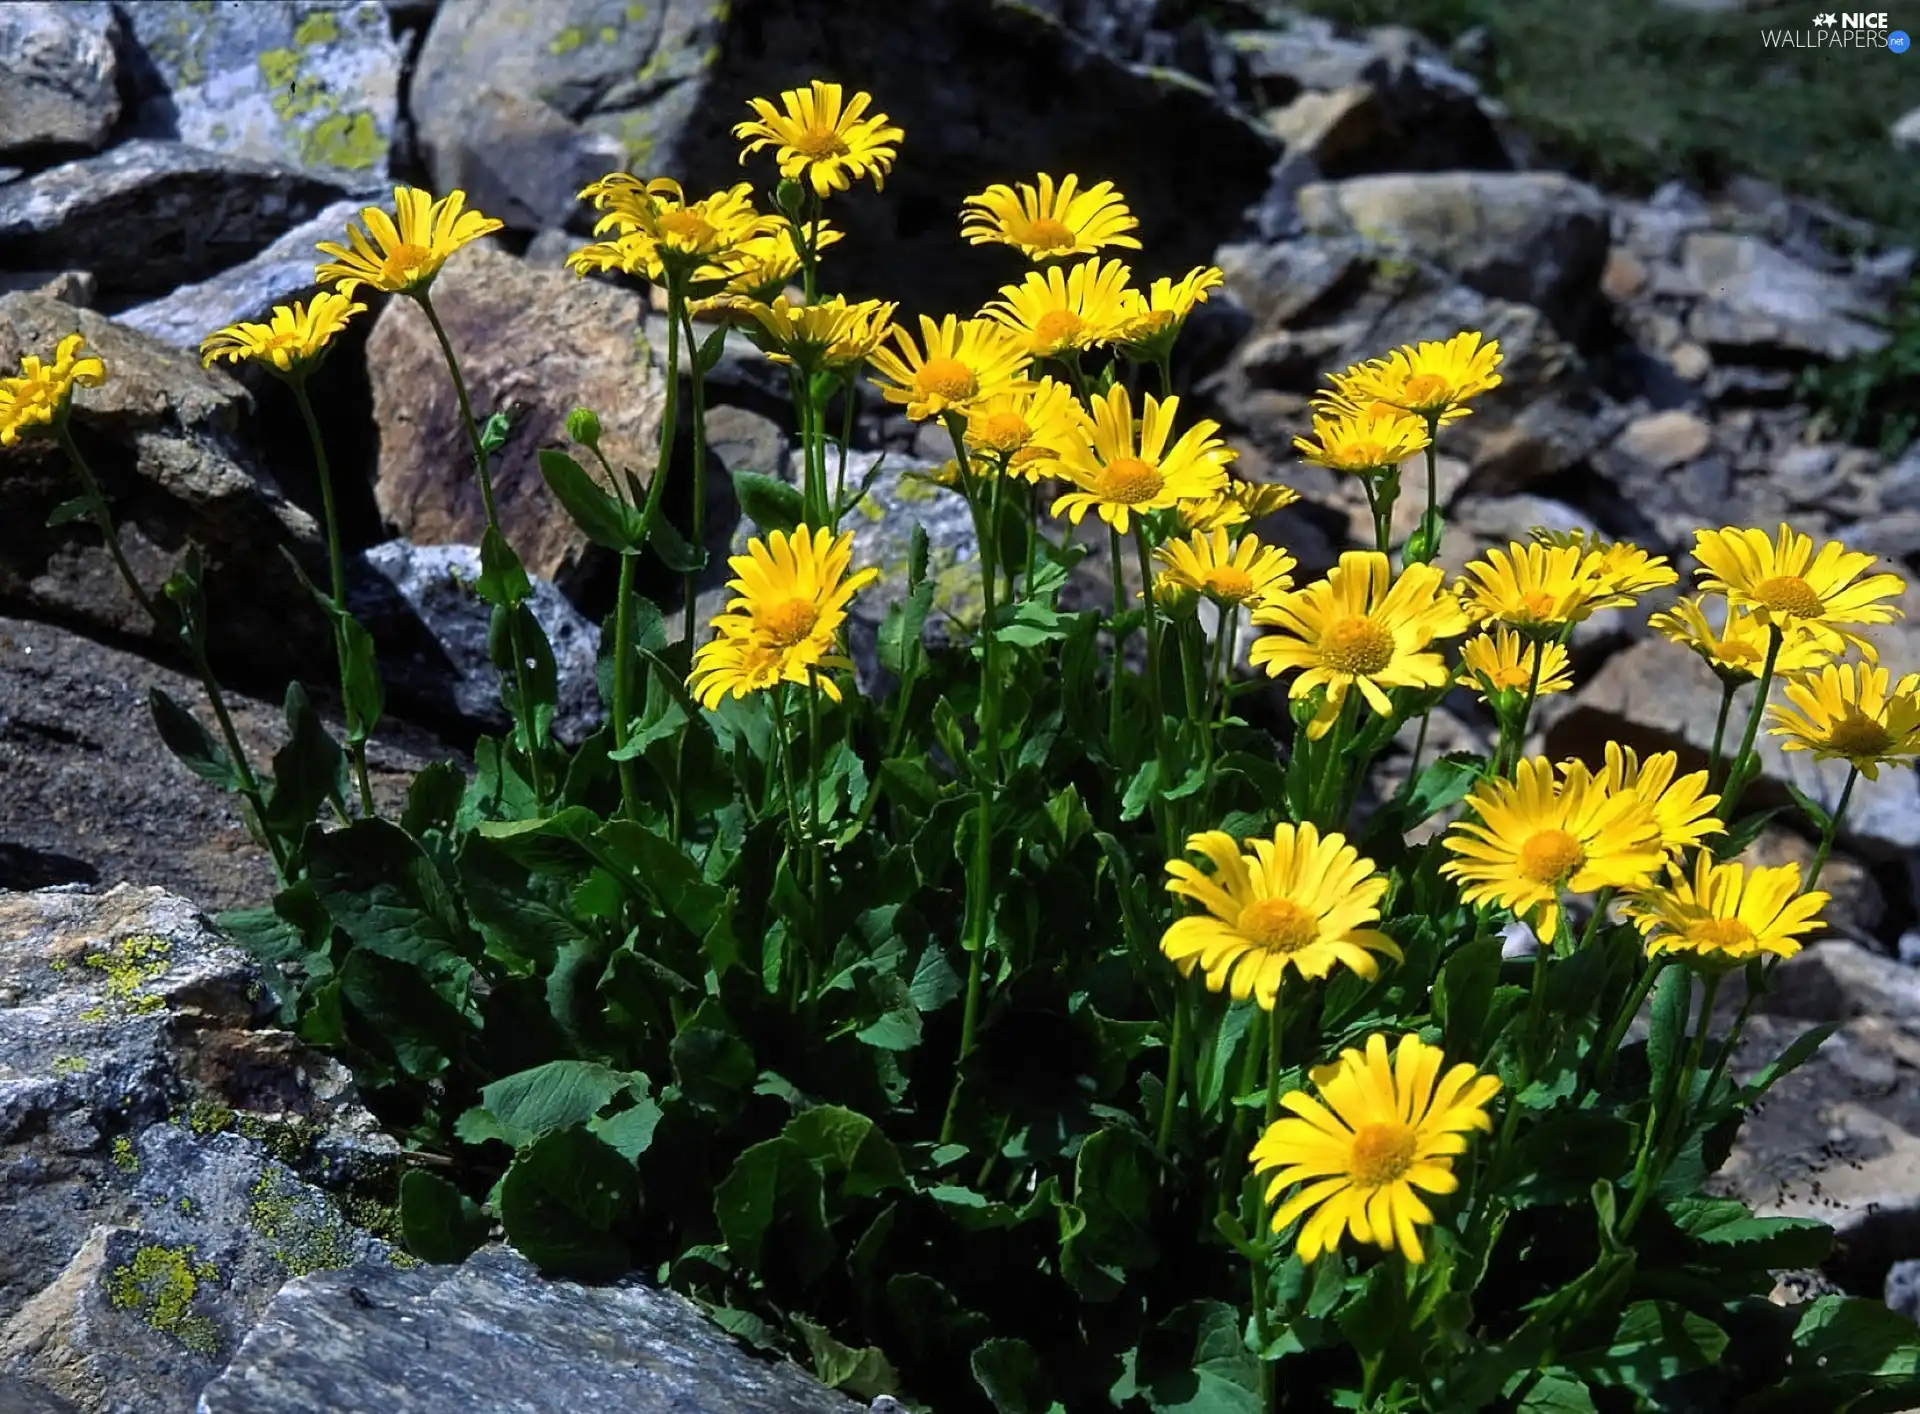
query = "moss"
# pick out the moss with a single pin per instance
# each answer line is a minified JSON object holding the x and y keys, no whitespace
{"x":159,"y":1284}
{"x":94,"y":1014}
{"x":69,"y":1065}
{"x":371,"y":1215}
{"x":307,"y":1234}
{"x":318,"y":28}
{"x":404,"y":1260}
{"x":290,"y":1141}
{"x":186,"y":1206}
{"x":125,"y":1157}
{"x":129,"y":967}
{"x":209,"y":1117}
{"x":568,"y":40}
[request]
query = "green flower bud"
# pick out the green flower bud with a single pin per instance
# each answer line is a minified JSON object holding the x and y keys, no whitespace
{"x":789,"y":198}
{"x":583,"y":425}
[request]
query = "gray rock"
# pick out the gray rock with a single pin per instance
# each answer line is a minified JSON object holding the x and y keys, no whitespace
{"x":247,"y":291}
{"x":1760,"y":299}
{"x":62,"y":91}
{"x":1905,"y":131}
{"x":1903,"y":1288}
{"x":418,"y":602}
{"x":313,"y":85}
{"x":491,"y":1334}
{"x":149,"y":216}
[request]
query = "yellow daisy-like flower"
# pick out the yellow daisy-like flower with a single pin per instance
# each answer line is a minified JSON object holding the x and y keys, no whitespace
{"x":1382,"y":1132}
{"x":964,"y":363}
{"x":1546,"y":832}
{"x":1785,"y":582}
{"x":793,"y":594}
{"x":1852,"y":713}
{"x":818,"y":138}
{"x":765,"y":264}
{"x":295,"y":337}
{"x":41,"y":391}
{"x":401,"y":254}
{"x":1127,"y":468}
{"x":1153,"y":320}
{"x":654,"y":225}
{"x":1433,"y":379}
{"x":1228,"y":572}
{"x":1737,"y":652}
{"x":1056,"y":311}
{"x":831,"y":334}
{"x":1240,"y":502}
{"x":1297,"y":902}
{"x":1502,"y":661}
{"x":1360,"y":627}
{"x":1372,"y":440}
{"x":1049,"y":222}
{"x":1723,"y":915}
{"x":1538,"y":589}
{"x":1624,"y":570}
{"x":1682,"y":809}
{"x":1027,"y":427}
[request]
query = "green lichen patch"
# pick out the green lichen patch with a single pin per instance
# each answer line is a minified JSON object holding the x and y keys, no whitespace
{"x":289,"y":1140}
{"x":130,"y":967}
{"x":568,"y":40}
{"x":318,"y":28}
{"x":312,"y":118}
{"x":69,"y":1065}
{"x":159,"y":1285}
{"x":209,"y":1117}
{"x":306,"y":1233}
{"x":125,"y":1157}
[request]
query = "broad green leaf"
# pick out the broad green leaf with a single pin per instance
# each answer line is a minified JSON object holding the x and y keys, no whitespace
{"x":673,"y":548}
{"x":1113,"y":1197}
{"x":308,"y":771}
{"x":864,"y":1371}
{"x":771,"y":504}
{"x":774,"y":1195}
{"x":433,"y":798}
{"x":531,"y":1103}
{"x":503,"y":579}
{"x":1656,"y":1341}
{"x":1734,"y":1235}
{"x":1557,"y":1392}
{"x":564,"y":1201}
{"x":397,"y":1008}
{"x":1012,"y":1375}
{"x":1798,"y":1052}
{"x":846,"y":1142}
{"x":191,"y":742}
{"x":603,"y":517}
{"x":1667,"y":1025}
{"x":77,"y":508}
{"x":1463,"y":994}
{"x":386,"y":894}
{"x":629,"y":1132}
{"x":525,"y":917}
{"x":902,"y":628}
{"x":439,"y":1222}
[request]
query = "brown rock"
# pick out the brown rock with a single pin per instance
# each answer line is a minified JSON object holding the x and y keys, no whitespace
{"x":1625,"y":275}
{"x":1666,"y":439}
{"x":533,"y":343}
{"x":1332,"y":127}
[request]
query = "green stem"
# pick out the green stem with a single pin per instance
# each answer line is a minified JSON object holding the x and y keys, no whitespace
{"x":690,"y":581}
{"x":1413,"y":765}
{"x":1617,"y":1030}
{"x":1737,"y":774}
{"x":1145,"y":557}
{"x":848,"y":403}
{"x":1646,"y":1175}
{"x":1832,"y":830}
{"x":1116,"y":564}
{"x":1262,"y":1316}
{"x":1759,"y":975}
{"x":623,"y":687}
{"x":1176,"y":1047}
{"x":1165,"y":365}
{"x":103,"y":518}
{"x":816,"y":857}
{"x":1728,"y":688}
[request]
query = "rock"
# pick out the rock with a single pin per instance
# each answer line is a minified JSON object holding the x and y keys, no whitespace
{"x":62,"y":93}
{"x":746,"y":441}
{"x":155,"y":1150}
{"x":1857,"y":908}
{"x":532,"y":342}
{"x":431,"y":627}
{"x":1903,"y":1288}
{"x":1664,"y":440}
{"x":74,"y":287}
{"x":248,"y":291}
{"x":148,"y":216}
{"x":1906,"y":131}
{"x":491,"y":1334}
{"x":313,"y":86}
{"x":1332,"y":128}
{"x":1537,"y":238}
{"x":1760,"y":300}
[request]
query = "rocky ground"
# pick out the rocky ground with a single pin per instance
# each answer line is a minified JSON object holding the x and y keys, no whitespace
{"x":165,"y":169}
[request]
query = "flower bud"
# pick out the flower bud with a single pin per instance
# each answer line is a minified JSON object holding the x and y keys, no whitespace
{"x":583,"y":426}
{"x":789,"y":198}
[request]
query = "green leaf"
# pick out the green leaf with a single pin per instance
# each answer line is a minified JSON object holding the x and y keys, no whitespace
{"x":629,"y":1132}
{"x":183,"y":590}
{"x":1113,"y":1202}
{"x":1656,"y":1341}
{"x":525,"y":916}
{"x":191,"y":742}
{"x":1849,"y":1337}
{"x":439,"y":1223}
{"x":433,"y":798}
{"x":652,"y":864}
{"x":532,"y":1103}
{"x":902,"y":628}
{"x":398,"y":1009}
{"x":707,"y":355}
{"x":1741,"y":833}
{"x":503,"y":579}
{"x":771,"y":504}
{"x":1815,"y":812}
{"x":1667,"y":1024}
{"x":919,"y":548}
{"x":673,"y":548}
{"x":1463,"y":994}
{"x":1562,"y":1155}
{"x":385,"y":893}
{"x":363,"y":696}
{"x":1220,"y":1377}
{"x":1141,"y":791}
{"x":844,"y":1141}
{"x":1734,"y":1234}
{"x":79,"y":508}
{"x":1557,"y":1392}
{"x":713,"y":1068}
{"x":308,"y":771}
{"x":935,"y":982}
{"x":494,"y":432}
{"x":864,"y":1371}
{"x":1798,"y":1052}
{"x":774,"y":1183}
{"x":1013,"y":1377}
{"x":563,"y":1201}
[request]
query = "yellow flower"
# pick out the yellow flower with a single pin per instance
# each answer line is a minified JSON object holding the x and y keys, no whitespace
{"x":1049,"y":222}
{"x":1372,"y":440}
{"x":1240,"y":502}
{"x":41,"y":393}
{"x":1296,"y":902}
{"x":1056,"y":311}
{"x":1738,"y":652}
{"x":1538,"y":589}
{"x":1127,"y":469}
{"x":964,"y":364}
{"x":1623,"y":568}
{"x":831,"y":334}
{"x":1230,"y":573}
{"x":407,"y":249}
{"x":793,"y":593}
{"x":1154,"y":320}
{"x":817,"y":138}
{"x":1027,"y":427}
{"x":1853,"y":714}
{"x":765,"y":264}
{"x":1784,"y":582}
{"x":655,"y":225}
{"x":1723,"y":915}
{"x":296,"y":337}
{"x":1436,"y":380}
{"x":1502,"y":661}
{"x":1682,"y":810}
{"x":1360,"y":627}
{"x":1380,"y":1130}
{"x":1543,"y":833}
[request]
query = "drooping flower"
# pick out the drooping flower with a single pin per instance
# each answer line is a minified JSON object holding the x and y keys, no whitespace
{"x":1365,"y":443}
{"x":1433,"y":379}
{"x":401,"y":254}
{"x":765,"y":263}
{"x":1296,"y":902}
{"x":655,"y":227}
{"x":1126,"y":468}
{"x":1538,"y":589}
{"x":1545,"y":833}
{"x":1723,"y":915}
{"x":295,"y":338}
{"x":41,"y":391}
{"x":1783,"y":581}
{"x":963,"y":364}
{"x":1049,"y":221}
{"x":1153,"y":321}
{"x":1737,"y":652}
{"x":1501,"y":660}
{"x":1682,"y":808}
{"x":1027,"y":427}
{"x":1227,"y":571}
{"x":793,"y":592}
{"x":1057,"y":312}
{"x":1852,"y":713}
{"x":1382,"y":1132}
{"x":830,"y":334}
{"x":1624,"y":570}
{"x":1236,"y":504}
{"x":819,"y":138}
{"x":1359,"y":627}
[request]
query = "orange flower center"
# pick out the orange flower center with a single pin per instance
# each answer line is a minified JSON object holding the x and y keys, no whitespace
{"x":788,"y":622}
{"x":1128,"y":481}
{"x":1003,"y":432}
{"x":1057,"y":327}
{"x":1229,"y":583}
{"x":1539,"y":606}
{"x":1550,"y":857}
{"x":818,"y":142}
{"x":1513,"y":676}
{"x":946,"y":378}
{"x":1278,"y":925}
{"x":1427,"y":391}
{"x":1050,"y":234}
{"x":1720,"y":934}
{"x":1358,"y":646}
{"x":1361,"y":456}
{"x":1789,"y":594}
{"x":687,"y":228}
{"x":1740,"y":653}
{"x":1859,"y":737}
{"x":405,"y":264}
{"x":1382,"y":1153}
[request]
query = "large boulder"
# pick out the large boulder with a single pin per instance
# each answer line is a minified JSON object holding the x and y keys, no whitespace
{"x":1761,"y":302}
{"x":309,"y":85}
{"x":62,"y":93}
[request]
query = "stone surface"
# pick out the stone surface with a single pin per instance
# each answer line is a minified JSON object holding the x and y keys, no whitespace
{"x":1760,"y":299}
{"x":62,"y":91}
{"x":148,"y":215}
{"x":1332,"y":128}
{"x":491,"y":1334}
{"x":1664,"y":440}
{"x":1906,"y":131}
{"x":308,"y":85}
{"x":283,"y":271}
{"x":534,"y":343}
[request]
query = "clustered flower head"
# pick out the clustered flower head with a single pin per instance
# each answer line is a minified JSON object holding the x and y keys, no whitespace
{"x":294,"y":338}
